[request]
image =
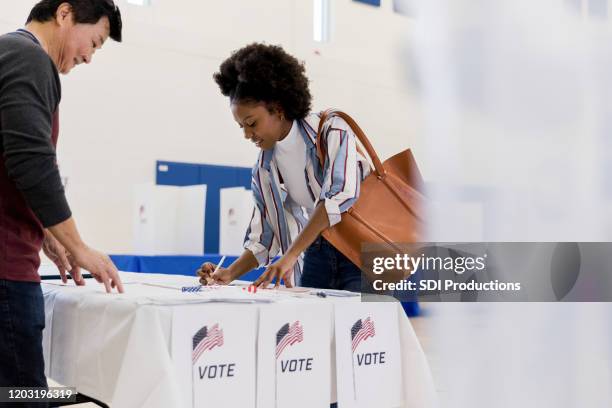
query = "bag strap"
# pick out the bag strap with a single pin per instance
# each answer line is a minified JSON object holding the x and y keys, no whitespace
{"x":331,"y":113}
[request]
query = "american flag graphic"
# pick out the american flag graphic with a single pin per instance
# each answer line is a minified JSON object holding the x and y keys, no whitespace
{"x":206,"y":339}
{"x":288,"y":335}
{"x":361,"y":330}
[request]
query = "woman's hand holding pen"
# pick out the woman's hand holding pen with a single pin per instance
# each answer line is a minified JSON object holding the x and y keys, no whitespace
{"x":208,"y":276}
{"x":211,"y":274}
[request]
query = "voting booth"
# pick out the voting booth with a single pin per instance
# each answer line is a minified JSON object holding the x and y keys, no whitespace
{"x":215,"y":178}
{"x":168,"y":220}
{"x":236,"y":208}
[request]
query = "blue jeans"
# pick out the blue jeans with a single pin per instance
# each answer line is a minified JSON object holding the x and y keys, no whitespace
{"x":22,"y":320}
{"x":326,"y":268}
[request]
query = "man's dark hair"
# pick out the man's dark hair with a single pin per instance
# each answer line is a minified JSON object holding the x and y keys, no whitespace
{"x":84,"y":11}
{"x":266,"y":73}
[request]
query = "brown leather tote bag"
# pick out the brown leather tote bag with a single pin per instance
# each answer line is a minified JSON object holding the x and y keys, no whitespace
{"x":389,"y":209}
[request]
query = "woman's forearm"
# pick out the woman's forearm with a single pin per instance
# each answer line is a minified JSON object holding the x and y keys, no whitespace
{"x":245,"y":263}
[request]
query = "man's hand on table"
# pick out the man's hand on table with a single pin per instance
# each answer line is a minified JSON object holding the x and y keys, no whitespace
{"x":208,"y":276}
{"x":100,"y":266}
{"x":81,"y":256}
{"x":62,"y":259}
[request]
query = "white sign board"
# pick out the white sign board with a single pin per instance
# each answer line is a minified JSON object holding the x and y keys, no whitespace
{"x":168,"y":220}
{"x":293,"y":359}
{"x":368,"y":359}
{"x":236,"y":210}
{"x":213,"y":352}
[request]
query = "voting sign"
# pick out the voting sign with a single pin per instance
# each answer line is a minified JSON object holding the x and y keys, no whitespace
{"x":368,"y":359}
{"x":293,"y":365}
{"x":213,"y":352}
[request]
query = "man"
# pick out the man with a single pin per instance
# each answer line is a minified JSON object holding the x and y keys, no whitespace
{"x":59,"y":34}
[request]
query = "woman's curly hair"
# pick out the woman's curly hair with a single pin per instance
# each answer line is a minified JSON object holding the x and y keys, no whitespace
{"x":266,"y":73}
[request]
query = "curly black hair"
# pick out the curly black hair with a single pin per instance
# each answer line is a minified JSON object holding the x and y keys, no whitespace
{"x":266,"y":73}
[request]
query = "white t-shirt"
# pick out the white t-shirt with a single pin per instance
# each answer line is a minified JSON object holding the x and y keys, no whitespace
{"x":290,"y":157}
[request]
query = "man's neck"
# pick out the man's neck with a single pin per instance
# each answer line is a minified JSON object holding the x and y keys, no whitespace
{"x":44,"y":35}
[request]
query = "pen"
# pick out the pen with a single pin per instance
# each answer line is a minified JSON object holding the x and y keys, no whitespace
{"x":209,"y":278}
{"x":219,"y":265}
{"x":334,"y":293}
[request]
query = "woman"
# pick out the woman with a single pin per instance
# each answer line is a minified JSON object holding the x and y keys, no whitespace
{"x":295,"y":198}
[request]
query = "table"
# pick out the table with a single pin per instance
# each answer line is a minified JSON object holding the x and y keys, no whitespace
{"x":186,"y":265}
{"x":117,"y":348}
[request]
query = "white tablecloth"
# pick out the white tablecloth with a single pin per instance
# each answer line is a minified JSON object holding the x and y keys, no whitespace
{"x":116,"y":348}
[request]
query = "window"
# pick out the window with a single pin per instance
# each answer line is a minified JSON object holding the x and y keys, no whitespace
{"x":140,"y":2}
{"x":589,"y":8}
{"x":321,"y":20}
{"x":370,"y":2}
